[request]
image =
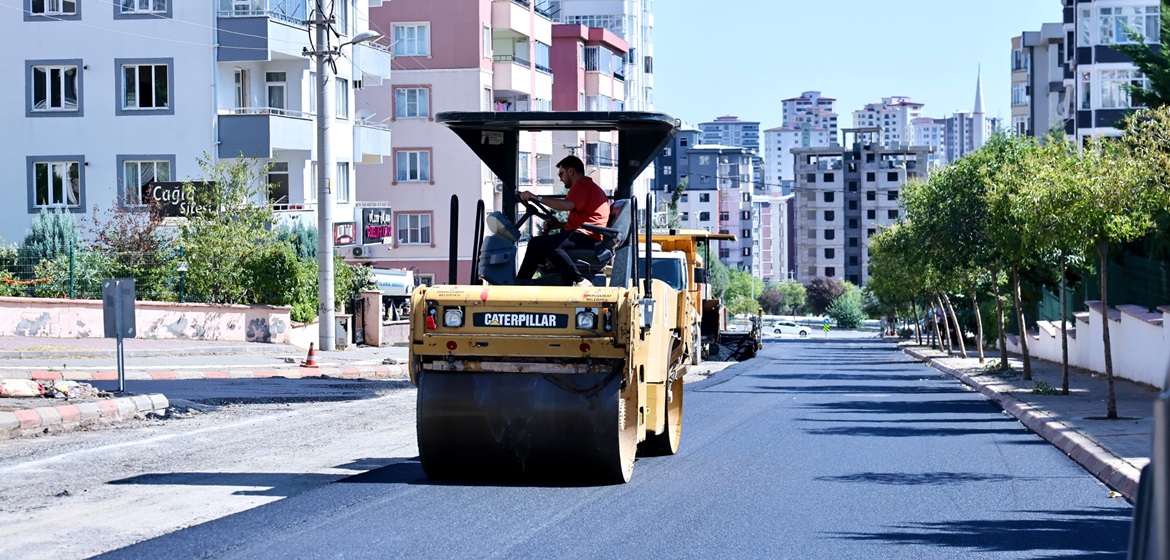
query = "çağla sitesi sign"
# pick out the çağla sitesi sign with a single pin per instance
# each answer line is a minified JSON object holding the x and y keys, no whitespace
{"x":170,"y":199}
{"x":377,"y":225}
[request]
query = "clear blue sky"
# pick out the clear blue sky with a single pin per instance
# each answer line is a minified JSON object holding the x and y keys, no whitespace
{"x":741,"y":57}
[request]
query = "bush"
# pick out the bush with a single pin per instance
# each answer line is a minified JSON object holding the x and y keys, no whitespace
{"x":847,"y":312}
{"x":302,"y":238}
{"x":89,"y":269}
{"x":53,"y":232}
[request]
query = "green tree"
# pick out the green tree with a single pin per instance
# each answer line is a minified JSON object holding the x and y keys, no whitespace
{"x":672,"y":219}
{"x":846,"y":310}
{"x":52,"y":233}
{"x":821,"y":291}
{"x":795,"y":296}
{"x":303,"y":239}
{"x":719,"y":277}
{"x":771,"y":299}
{"x":227,"y":228}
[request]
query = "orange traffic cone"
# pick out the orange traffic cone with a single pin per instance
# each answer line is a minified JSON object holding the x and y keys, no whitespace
{"x":311,"y":359}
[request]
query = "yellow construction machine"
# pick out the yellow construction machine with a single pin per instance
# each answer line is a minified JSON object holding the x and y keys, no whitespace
{"x":534,"y":378}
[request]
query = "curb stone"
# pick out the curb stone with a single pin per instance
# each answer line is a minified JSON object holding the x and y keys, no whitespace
{"x":1115,"y":472}
{"x":347,"y":372}
{"x":35,"y":421}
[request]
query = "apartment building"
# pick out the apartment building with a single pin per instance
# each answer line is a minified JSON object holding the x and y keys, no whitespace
{"x":808,"y":121}
{"x":843,"y":196}
{"x":129,"y":94}
{"x":730,"y":131}
{"x":932,"y":133}
{"x":1096,"y":73}
{"x":1038,"y":69}
{"x":774,"y":232}
{"x":893,"y":116}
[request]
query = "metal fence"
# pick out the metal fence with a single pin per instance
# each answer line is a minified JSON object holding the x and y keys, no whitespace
{"x":78,"y":274}
{"x":1134,"y":281}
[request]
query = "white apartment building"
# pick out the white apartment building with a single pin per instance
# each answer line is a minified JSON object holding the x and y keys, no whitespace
{"x":773,"y":237}
{"x":844,"y":196}
{"x":893,"y":115}
{"x":127,"y":94}
{"x":809,"y":121}
{"x":1097,"y":73}
{"x":932,"y":133}
{"x":1038,"y":68}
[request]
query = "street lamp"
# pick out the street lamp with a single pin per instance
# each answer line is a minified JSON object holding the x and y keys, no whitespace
{"x":323,"y":54}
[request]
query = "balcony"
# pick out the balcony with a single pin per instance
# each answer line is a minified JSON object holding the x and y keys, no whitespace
{"x":371,"y":142}
{"x":259,"y":131}
{"x":511,"y":74}
{"x":372,"y":61}
{"x":250,"y":31}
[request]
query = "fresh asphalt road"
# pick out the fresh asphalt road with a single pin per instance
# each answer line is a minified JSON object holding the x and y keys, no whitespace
{"x":831,"y":448}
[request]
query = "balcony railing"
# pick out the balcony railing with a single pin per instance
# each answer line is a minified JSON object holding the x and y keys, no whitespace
{"x":266,"y":111}
{"x":511,"y":58}
{"x":295,"y":16}
{"x":372,"y":124}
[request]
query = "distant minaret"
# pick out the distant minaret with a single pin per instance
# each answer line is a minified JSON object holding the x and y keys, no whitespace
{"x":979,"y":128}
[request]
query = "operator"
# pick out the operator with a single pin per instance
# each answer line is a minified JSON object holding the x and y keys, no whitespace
{"x":586,"y":203}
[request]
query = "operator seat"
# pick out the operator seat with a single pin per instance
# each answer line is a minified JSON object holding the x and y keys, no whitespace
{"x":593,"y":261}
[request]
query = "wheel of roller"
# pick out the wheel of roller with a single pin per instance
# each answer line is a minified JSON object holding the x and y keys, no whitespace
{"x":621,"y":464}
{"x":666,"y":443}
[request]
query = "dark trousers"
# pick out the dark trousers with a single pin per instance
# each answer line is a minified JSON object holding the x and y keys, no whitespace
{"x":554,"y":249}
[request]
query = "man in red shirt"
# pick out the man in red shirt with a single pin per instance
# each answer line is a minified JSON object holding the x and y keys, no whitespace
{"x":586,"y":203}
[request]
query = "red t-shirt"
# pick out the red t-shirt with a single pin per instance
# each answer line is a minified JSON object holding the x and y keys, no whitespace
{"x":592,"y":206}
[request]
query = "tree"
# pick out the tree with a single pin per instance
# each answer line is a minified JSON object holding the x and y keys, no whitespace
{"x":52,"y":233}
{"x":846,"y":310}
{"x":771,"y":299}
{"x":719,"y":278}
{"x":821,"y":291}
{"x":672,"y":220}
{"x":794,"y":295}
{"x":137,"y":246}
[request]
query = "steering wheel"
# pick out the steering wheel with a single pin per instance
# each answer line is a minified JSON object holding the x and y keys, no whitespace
{"x":534,"y":208}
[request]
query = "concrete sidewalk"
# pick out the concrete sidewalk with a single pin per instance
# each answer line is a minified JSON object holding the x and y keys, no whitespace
{"x":1112,"y":450}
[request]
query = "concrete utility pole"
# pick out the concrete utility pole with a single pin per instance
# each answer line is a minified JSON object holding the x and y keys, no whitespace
{"x":323,"y":53}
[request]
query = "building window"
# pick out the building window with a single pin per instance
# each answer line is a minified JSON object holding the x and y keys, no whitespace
{"x":830,"y":253}
{"x":812,"y":234}
{"x":51,"y":8}
{"x":704,"y":216}
{"x":684,"y":216}
{"x":869,"y":233}
{"x":852,"y":241}
{"x":1142,"y":20}
{"x":413,"y":166}
{"x":278,"y":181}
{"x":683,"y":198}
{"x":829,"y":177}
{"x":853,"y":261}
{"x":704,"y":197}
{"x":342,"y":182}
{"x":853,"y":205}
{"x":724,"y":216}
{"x":667,"y":170}
{"x":342,"y":98}
{"x":487,"y":42}
{"x":414,"y":229}
{"x":1114,"y":93}
{"x":830,"y":271}
{"x":812,"y":177}
{"x":240,"y":77}
{"x":871,"y":176}
{"x":542,"y":54}
{"x":412,"y":40}
{"x":892,"y":176}
{"x":852,"y":223}
{"x":1019,"y":94}
{"x":412,"y":103}
{"x":852,"y":186}
{"x":275,"y":81}
{"x":871,"y":195}
{"x":56,"y":182}
{"x":871,"y":214}
{"x":746,"y":234}
{"x":145,"y":86}
{"x":892,"y":214}
{"x":54,"y":88}
{"x":745,"y":215}
{"x":830,"y":215}
{"x":892,"y":195}
{"x":830,"y":234}
{"x":135,"y":175}
{"x":829,"y":196}
{"x":149,"y":8}
{"x":747,"y":251}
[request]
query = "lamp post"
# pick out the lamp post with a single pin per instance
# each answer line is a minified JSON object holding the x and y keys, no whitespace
{"x":324,"y":53}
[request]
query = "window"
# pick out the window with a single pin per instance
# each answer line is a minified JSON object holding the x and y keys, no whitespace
{"x":1142,"y":20}
{"x":724,"y":216}
{"x":53,"y":8}
{"x":892,"y":176}
{"x":55,"y":89}
{"x":892,"y":214}
{"x":852,"y":241}
{"x":682,"y":141}
{"x":1113,"y":87}
{"x":812,"y":234}
{"x":747,"y":251}
{"x":1085,"y":28}
{"x":1085,"y":90}
{"x":704,"y":216}
{"x":144,"y":87}
{"x":871,"y":195}
{"x":812,"y":177}
{"x":487,"y":99}
{"x":830,"y":234}
{"x":871,"y":177}
{"x":829,"y":177}
{"x":892,"y":195}
{"x":666,"y":151}
{"x":412,"y":103}
{"x":413,"y":166}
{"x":542,"y":61}
{"x":56,"y":184}
{"x":830,"y":253}
{"x":853,"y":260}
{"x":136,"y":174}
{"x":241,"y":87}
{"x":871,"y":214}
{"x":745,"y":215}
{"x":704,"y":197}
{"x":1019,"y":94}
{"x":684,"y":216}
{"x":412,"y":40}
{"x":667,"y":170}
{"x":342,"y":189}
{"x":829,"y":196}
{"x":145,"y":7}
{"x":853,"y":205}
{"x":276,"y":89}
{"x":684,"y":198}
{"x":830,"y":271}
{"x":487,"y":42}
{"x":313,"y":93}
{"x":414,"y":229}
{"x":746,"y":234}
{"x":852,"y":186}
{"x":342,"y":98}
{"x":341,"y":15}
{"x":853,"y":223}
{"x":524,"y":168}
{"x":869,"y":232}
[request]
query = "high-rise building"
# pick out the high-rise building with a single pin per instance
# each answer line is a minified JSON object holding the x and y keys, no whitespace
{"x":1097,"y":73}
{"x":893,"y":116}
{"x":1040,"y":101}
{"x":809,"y":121}
{"x":932,"y":133}
{"x":844,"y":195}
{"x":730,"y":131}
{"x":127,"y":94}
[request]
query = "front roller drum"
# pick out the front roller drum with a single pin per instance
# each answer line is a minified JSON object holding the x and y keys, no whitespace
{"x":477,"y":425}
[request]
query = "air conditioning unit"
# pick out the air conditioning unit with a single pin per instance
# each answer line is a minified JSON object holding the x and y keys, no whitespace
{"x":362,"y":252}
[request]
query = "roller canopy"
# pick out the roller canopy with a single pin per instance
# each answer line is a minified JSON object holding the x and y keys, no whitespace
{"x":494,"y":137}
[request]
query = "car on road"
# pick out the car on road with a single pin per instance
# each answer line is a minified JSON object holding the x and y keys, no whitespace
{"x":789,"y":327}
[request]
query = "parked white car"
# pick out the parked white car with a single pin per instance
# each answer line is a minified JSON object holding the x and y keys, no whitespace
{"x":789,"y":327}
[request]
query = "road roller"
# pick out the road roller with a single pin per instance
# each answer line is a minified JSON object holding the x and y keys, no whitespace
{"x":537,"y":378}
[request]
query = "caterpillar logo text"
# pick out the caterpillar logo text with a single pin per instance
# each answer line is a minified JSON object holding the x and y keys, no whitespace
{"x":522,"y":320}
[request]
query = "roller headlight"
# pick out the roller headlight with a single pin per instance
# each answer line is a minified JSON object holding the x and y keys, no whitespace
{"x":452,"y":317}
{"x":586,"y":320}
